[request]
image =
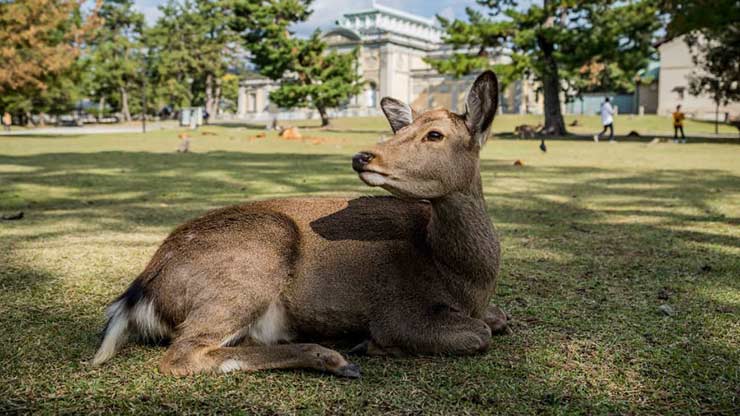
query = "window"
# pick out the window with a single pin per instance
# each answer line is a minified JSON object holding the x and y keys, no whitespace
{"x":680,"y":91}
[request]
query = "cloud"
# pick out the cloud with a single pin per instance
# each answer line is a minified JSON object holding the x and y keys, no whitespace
{"x":327,"y":12}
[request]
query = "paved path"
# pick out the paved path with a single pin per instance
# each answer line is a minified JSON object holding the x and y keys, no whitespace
{"x":63,"y":131}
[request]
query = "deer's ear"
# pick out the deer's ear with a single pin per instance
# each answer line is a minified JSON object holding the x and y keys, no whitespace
{"x":399,"y":114}
{"x":481,"y":106}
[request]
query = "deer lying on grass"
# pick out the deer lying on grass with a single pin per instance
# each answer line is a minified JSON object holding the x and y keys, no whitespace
{"x":235,"y":288}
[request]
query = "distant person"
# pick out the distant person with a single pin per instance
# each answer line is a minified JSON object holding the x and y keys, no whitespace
{"x":7,"y":121}
{"x":607,"y":120}
{"x":678,"y":117}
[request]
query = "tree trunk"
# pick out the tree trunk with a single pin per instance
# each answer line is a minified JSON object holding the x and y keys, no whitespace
{"x":554,"y":123}
{"x":209,"y":96}
{"x":217,"y":97}
{"x":324,"y":115}
{"x":716,"y":118}
{"x":124,"y":105}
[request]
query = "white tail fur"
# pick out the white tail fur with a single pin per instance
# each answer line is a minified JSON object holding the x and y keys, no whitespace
{"x":116,"y":332}
{"x":141,"y":319}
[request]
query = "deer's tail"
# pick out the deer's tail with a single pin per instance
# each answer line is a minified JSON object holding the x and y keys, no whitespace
{"x":131,"y":313}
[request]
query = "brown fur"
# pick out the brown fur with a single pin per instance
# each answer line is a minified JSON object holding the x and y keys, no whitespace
{"x":233,"y":288}
{"x":525,"y":130}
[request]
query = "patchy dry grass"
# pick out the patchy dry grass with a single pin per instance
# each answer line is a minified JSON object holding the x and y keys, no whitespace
{"x":596,"y":237}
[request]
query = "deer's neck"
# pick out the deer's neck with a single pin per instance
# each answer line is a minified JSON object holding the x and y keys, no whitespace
{"x":463,"y":241}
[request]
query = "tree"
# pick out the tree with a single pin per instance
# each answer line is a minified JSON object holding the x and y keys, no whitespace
{"x":718,"y":60}
{"x":310,"y":74}
{"x":116,"y":61}
{"x":191,"y":48}
{"x":568,"y":46}
{"x":710,"y":28}
{"x":40,"y":43}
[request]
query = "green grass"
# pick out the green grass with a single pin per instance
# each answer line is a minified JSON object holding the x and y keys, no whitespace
{"x":595,"y":238}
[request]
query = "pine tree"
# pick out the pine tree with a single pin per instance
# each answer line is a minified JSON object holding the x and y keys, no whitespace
{"x":191,"y":48}
{"x":310,"y":74}
{"x":116,"y":61}
{"x":568,"y":46}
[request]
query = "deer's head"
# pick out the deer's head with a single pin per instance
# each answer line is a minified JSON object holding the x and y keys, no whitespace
{"x":434,"y":153}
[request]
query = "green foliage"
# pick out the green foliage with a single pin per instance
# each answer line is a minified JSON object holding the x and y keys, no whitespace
{"x":116,"y":62}
{"x":190,"y":49}
{"x":569,"y":46}
{"x":707,"y":16}
{"x":230,"y":88}
{"x":598,"y":45}
{"x":311,"y":75}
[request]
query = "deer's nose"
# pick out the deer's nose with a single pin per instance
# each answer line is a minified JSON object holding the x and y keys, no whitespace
{"x":360,"y":160}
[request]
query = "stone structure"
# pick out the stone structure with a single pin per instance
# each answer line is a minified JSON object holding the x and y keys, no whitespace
{"x":393,"y":45}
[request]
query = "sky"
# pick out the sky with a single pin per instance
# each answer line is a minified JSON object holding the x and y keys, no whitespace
{"x":326,"y":12}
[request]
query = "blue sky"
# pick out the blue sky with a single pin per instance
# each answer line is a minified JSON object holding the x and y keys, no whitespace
{"x":327,"y":11}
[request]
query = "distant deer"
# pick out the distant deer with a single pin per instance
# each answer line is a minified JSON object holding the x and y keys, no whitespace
{"x":237,"y":288}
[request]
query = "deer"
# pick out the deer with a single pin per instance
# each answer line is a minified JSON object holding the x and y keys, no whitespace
{"x":255,"y":286}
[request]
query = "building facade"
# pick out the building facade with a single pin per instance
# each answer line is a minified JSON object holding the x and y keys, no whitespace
{"x":676,"y":66}
{"x":393,"y":45}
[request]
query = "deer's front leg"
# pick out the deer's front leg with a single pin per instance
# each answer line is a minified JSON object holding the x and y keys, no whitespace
{"x":497,"y":320}
{"x":437,"y":331}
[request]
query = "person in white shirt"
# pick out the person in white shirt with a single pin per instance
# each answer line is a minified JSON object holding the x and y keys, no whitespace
{"x":607,"y":120}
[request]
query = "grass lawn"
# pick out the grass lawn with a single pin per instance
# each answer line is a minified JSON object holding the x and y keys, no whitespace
{"x":596,"y":237}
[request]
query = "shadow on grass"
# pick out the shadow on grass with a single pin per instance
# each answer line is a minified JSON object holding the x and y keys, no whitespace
{"x":647,"y":138}
{"x":583,"y":285}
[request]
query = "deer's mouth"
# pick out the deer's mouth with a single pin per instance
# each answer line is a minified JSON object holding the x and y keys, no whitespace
{"x":373,"y":178}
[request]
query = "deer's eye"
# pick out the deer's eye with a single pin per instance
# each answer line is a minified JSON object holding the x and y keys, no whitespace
{"x":434,"y":136}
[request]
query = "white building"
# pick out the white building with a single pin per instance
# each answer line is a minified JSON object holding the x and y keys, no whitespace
{"x":393,"y":45}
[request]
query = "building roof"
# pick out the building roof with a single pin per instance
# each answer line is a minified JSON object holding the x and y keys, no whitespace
{"x":381,"y":19}
{"x":379,"y":8}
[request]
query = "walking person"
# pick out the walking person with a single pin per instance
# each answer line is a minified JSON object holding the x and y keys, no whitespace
{"x":607,"y":120}
{"x":7,"y":121}
{"x":678,"y":117}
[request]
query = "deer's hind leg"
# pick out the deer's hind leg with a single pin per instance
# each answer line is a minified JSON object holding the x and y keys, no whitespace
{"x":190,"y":357}
{"x":224,"y":343}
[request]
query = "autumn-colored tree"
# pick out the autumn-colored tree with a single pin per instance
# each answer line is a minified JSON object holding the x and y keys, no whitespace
{"x":39,"y":39}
